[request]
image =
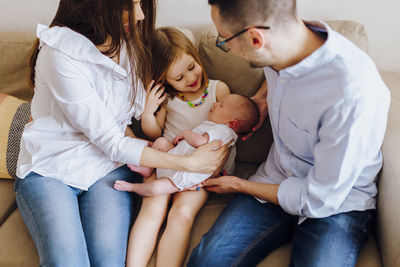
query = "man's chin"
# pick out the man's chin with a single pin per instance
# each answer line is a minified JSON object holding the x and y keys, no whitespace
{"x":256,"y":65}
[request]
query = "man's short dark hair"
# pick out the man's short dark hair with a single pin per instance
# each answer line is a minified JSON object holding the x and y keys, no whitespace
{"x":246,"y":13}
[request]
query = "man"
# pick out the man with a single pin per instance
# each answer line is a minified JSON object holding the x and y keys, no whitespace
{"x":328,"y":110}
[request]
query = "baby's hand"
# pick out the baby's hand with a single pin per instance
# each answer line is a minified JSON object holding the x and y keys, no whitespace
{"x":177,"y":139}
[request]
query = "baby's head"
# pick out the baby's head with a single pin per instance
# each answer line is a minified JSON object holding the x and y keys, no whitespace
{"x":239,"y":112}
{"x":176,"y":63}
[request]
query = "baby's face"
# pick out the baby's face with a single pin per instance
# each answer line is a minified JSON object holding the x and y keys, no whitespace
{"x":225,"y":110}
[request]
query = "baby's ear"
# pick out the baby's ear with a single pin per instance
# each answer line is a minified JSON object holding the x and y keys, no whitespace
{"x":233,"y":124}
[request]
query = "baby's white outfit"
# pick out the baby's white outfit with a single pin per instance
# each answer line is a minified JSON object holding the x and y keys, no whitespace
{"x":183,"y":179}
{"x":181,"y":117}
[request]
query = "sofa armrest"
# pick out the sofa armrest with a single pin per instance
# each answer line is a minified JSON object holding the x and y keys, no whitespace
{"x":389,"y":182}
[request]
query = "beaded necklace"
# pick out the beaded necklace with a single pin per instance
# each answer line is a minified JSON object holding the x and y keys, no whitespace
{"x":203,"y":98}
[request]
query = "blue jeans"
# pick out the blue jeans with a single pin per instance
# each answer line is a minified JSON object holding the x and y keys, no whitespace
{"x":72,"y":227}
{"x":247,"y":231}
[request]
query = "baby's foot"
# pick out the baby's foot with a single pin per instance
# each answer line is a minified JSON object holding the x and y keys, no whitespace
{"x":124,"y":186}
{"x":144,"y":171}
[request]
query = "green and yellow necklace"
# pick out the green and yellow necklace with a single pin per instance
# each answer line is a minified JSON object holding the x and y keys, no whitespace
{"x":203,"y":98}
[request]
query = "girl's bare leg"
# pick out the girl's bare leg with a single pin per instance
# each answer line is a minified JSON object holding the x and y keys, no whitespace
{"x":174,"y":242}
{"x":144,"y":233}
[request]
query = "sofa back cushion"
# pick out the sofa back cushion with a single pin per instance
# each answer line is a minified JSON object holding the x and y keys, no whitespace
{"x":15,"y":49}
{"x":243,"y":79}
{"x":14,"y":114}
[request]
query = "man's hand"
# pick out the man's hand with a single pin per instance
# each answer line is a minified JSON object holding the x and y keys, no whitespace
{"x":223,"y":184}
{"x":260,"y":98}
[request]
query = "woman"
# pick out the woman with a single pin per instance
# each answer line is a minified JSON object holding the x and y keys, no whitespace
{"x":87,"y":73}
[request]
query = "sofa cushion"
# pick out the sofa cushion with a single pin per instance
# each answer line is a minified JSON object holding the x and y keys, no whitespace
{"x":14,"y":114}
{"x":16,"y":246}
{"x":389,"y":181}
{"x":15,"y":49}
{"x":7,"y":199}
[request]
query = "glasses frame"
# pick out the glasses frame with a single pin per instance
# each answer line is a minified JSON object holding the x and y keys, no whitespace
{"x":220,"y":43}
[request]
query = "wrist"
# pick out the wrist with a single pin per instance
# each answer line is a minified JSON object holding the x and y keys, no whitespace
{"x":147,"y":115}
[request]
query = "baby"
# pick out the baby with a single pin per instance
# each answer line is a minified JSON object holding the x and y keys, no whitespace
{"x":235,"y":114}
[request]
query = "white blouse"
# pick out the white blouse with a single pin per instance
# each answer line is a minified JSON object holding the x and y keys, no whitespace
{"x":81,"y":108}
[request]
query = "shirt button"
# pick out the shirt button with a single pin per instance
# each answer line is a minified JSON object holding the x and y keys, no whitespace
{"x":276,"y":108}
{"x":282,"y":80}
{"x":290,"y":174}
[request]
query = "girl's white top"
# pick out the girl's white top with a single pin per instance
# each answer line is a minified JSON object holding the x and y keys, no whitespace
{"x":81,"y":108}
{"x":182,"y":117}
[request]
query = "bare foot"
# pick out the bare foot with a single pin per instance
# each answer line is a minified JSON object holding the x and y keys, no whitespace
{"x":144,"y":171}
{"x":124,"y":186}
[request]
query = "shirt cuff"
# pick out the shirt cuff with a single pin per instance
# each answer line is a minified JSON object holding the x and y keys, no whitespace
{"x":289,"y":195}
{"x":134,"y":151}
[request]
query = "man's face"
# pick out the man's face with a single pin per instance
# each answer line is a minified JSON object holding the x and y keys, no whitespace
{"x":241,"y":46}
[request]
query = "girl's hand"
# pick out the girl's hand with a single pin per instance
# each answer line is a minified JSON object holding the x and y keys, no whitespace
{"x":155,"y":96}
{"x":207,"y":158}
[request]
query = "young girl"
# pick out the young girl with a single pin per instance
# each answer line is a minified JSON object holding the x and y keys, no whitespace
{"x":177,"y":65}
{"x":87,"y":70}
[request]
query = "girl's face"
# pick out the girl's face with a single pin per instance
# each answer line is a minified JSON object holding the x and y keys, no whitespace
{"x":185,"y":74}
{"x":139,"y":15}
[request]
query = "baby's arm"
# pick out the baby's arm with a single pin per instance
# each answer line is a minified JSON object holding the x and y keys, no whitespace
{"x":193,"y":139}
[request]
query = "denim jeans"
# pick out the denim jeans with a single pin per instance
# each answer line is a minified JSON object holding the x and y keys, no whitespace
{"x":72,"y":227}
{"x":247,"y":231}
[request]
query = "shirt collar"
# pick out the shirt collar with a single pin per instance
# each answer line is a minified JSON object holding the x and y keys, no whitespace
{"x":75,"y":45}
{"x":319,"y":57}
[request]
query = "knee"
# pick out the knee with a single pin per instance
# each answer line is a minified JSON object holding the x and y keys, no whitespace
{"x":162,"y":144}
{"x":182,"y":214}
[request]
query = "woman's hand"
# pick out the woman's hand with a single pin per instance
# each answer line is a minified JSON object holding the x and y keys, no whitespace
{"x":155,"y":96}
{"x":207,"y":158}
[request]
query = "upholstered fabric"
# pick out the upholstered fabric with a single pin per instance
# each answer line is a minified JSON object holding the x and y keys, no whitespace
{"x":14,"y":114}
{"x":7,"y":199}
{"x":15,"y":49}
{"x":389,"y":182}
{"x":16,"y":246}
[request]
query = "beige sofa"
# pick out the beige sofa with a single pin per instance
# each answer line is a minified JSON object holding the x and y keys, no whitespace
{"x":383,"y":248}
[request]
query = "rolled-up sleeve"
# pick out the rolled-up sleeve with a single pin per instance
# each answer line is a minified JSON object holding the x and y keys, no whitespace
{"x":77,"y":97}
{"x":347,"y":137}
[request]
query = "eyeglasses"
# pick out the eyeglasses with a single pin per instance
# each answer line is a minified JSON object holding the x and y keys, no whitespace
{"x":221,"y":42}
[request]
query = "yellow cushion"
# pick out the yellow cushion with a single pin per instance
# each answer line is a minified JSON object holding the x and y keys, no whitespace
{"x":14,"y":114}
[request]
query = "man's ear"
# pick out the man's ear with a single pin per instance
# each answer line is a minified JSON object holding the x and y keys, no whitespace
{"x":257,"y":38}
{"x":233,"y":124}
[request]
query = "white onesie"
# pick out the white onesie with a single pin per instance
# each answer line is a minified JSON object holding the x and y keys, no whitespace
{"x":183,"y":179}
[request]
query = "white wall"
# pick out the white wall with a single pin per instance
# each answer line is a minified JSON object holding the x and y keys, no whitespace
{"x":381,"y":18}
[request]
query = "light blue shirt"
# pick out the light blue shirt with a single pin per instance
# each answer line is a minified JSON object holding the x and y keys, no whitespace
{"x":328,"y":115}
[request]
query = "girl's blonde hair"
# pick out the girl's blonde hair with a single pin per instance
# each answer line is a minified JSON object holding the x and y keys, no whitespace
{"x":168,"y":43}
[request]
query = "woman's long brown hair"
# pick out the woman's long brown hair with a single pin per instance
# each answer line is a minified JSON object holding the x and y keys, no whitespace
{"x":98,"y":19}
